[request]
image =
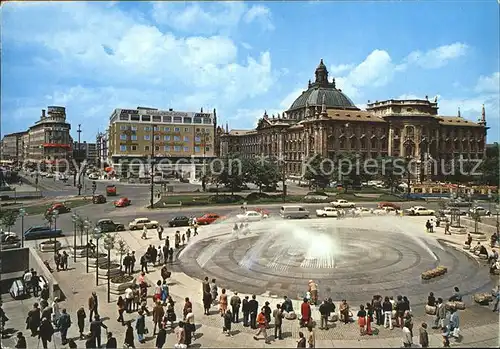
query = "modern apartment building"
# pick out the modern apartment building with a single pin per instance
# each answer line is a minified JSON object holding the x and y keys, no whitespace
{"x":13,"y":147}
{"x":49,"y":140}
{"x":89,"y":151}
{"x":173,"y":136}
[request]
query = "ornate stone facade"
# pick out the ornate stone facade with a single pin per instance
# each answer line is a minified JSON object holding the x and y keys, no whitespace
{"x":324,"y":121}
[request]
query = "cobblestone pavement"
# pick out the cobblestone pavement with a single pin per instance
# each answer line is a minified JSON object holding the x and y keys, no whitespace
{"x":479,"y":324}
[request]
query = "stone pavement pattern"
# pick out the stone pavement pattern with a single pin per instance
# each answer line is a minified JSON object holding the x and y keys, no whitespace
{"x":78,"y":285}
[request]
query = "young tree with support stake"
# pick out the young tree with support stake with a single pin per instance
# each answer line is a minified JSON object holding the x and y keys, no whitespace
{"x":121,"y":247}
{"x":9,"y":218}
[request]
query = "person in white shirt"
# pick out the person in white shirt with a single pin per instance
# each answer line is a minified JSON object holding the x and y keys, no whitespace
{"x":129,"y":299}
{"x":27,"y":280}
{"x":144,"y":235}
{"x":189,"y":327}
{"x":56,"y":313}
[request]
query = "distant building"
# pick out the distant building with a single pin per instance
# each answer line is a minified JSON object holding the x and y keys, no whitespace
{"x":88,"y":150}
{"x":13,"y":147}
{"x":102,"y":148}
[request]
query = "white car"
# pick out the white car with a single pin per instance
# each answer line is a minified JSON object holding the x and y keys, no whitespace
{"x":49,"y":175}
{"x":421,"y":211}
{"x":480,"y":211}
{"x":327,"y":212}
{"x":93,"y":176}
{"x":139,"y":223}
{"x":362,"y":211}
{"x":250,"y":216}
{"x":341,"y":203}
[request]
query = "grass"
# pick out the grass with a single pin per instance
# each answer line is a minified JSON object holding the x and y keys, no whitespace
{"x":41,"y":208}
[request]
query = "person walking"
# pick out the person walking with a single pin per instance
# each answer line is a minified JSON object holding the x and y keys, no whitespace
{"x":33,"y":320}
{"x":80,"y":319}
{"x":144,"y":234}
{"x":223,"y":302}
{"x":121,"y":308}
{"x":407,"y":338}
{"x":129,"y":336}
{"x":324,"y":311}
{"x":158,"y":314}
{"x":262,"y":324}
{"x":214,"y":292}
{"x":235,"y":306}
{"x":423,"y":336}
{"x":189,"y":326}
{"x":95,"y":330}
{"x":45,"y":333}
{"x":161,"y":339}
{"x":64,"y":323}
{"x":278,"y":322}
{"x":227,"y":320}
{"x":440,"y":314}
{"x":497,"y":299}
{"x":159,"y":230}
{"x":246,"y":312}
{"x":311,"y":340}
{"x":140,"y":327}
{"x":93,"y":305}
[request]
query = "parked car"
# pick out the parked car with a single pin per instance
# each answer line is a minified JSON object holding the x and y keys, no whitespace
{"x":107,"y":225}
{"x":139,"y":223}
{"x":38,"y":232}
{"x":99,"y":199}
{"x":291,"y":211}
{"x":420,"y":211}
{"x":389,"y":204}
{"x":122,"y":202}
{"x":179,"y":221}
{"x":341,"y":203}
{"x":93,"y":176}
{"x":250,"y":216}
{"x":263,"y":212}
{"x":481,"y":211}
{"x":8,"y":236}
{"x":327,"y":212}
{"x":110,"y":190}
{"x":208,"y":218}
{"x":363,"y":211}
{"x":59,"y":207}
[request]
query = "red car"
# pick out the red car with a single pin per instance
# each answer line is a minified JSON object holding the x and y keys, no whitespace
{"x":389,"y":204}
{"x":59,"y":207}
{"x":110,"y":190}
{"x":263,"y":212}
{"x":122,"y":202}
{"x":208,"y":218}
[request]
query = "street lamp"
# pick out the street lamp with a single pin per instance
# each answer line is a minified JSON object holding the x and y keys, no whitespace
{"x":78,"y":170}
{"x":86,"y":226}
{"x":22,"y":213}
{"x":152,"y":174}
{"x":109,"y":242}
{"x":55,"y":213}
{"x":97,"y":234}
{"x":408,"y":179}
{"x":490,"y":196}
{"x":74,"y":218}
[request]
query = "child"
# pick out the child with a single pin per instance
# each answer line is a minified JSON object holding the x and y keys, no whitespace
{"x":228,"y":319}
{"x":362,"y":319}
{"x":446,"y":337}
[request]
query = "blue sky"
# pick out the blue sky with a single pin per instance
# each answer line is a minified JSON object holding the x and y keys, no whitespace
{"x":243,"y":58}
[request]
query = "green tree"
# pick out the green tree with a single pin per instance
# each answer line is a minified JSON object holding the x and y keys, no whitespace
{"x":122,"y":248}
{"x":263,"y":173}
{"x":318,"y":171}
{"x":231,"y":171}
{"x":490,"y":166}
{"x":9,"y":219}
{"x":390,"y":169}
{"x":349,"y":170}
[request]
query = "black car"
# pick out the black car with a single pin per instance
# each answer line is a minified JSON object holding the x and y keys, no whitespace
{"x":179,"y":221}
{"x":107,"y":226}
{"x":99,"y":199}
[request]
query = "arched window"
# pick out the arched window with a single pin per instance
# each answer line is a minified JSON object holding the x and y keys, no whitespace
{"x":410,"y":132}
{"x":374,"y":143}
{"x":353,"y":143}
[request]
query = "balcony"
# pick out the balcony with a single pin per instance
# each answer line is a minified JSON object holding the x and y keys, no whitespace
{"x":56,"y":145}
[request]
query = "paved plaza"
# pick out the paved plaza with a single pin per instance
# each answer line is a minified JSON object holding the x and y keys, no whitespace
{"x":390,"y":264}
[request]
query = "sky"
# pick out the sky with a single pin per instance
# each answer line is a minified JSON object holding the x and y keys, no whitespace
{"x":243,"y":58}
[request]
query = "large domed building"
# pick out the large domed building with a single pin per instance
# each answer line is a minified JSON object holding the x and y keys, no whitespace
{"x":325,"y":121}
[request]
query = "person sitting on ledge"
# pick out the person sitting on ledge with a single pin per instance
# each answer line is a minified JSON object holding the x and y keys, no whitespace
{"x":493,"y":257}
{"x":431,"y":300}
{"x":493,"y":239}
{"x":494,"y":266}
{"x":483,"y":251}
{"x":476,"y":248}
{"x":456,"y":297}
{"x":469,"y":240}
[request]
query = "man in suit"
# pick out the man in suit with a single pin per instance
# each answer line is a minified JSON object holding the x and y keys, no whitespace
{"x":254,"y":310}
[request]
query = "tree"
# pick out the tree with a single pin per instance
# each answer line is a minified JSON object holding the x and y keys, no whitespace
{"x":390,"y":169}
{"x":263,"y":173}
{"x":318,"y":171}
{"x":122,"y":248}
{"x":9,"y":219}
{"x":231,"y":171}
{"x":490,"y":166}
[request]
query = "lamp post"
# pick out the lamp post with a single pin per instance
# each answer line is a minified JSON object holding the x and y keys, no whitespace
{"x":78,"y":170}
{"x":74,"y":218}
{"x":152,"y":174}
{"x":55,"y":213}
{"x":109,"y":242}
{"x":22,"y":213}
{"x":490,"y":196}
{"x":97,"y":235}
{"x":86,"y":226}
{"x":408,"y":179}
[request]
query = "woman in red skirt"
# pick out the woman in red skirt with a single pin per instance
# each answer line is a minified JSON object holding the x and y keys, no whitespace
{"x":362,"y":319}
{"x":369,"y":318}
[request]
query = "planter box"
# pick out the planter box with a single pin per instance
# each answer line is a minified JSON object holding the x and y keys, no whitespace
{"x":483,"y":298}
{"x":458,"y":230}
{"x":79,"y":252}
{"x":429,"y":310}
{"x":430,"y":274}
{"x":49,"y":246}
{"x":100,"y":261}
{"x":466,"y":247}
{"x":478,"y":236}
{"x":455,"y":305}
{"x":112,"y":272}
{"x":119,"y":289}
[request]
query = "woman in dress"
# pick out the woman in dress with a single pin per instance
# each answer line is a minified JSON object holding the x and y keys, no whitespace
{"x":158,"y":290}
{"x":362,"y":319}
{"x":214,"y":292}
{"x":223,"y":302}
{"x":369,"y":318}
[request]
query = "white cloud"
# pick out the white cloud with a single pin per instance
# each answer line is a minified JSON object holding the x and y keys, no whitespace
{"x":488,"y":84}
{"x":209,"y":18}
{"x":336,"y":70}
{"x":438,"y":57}
{"x":246,"y":46}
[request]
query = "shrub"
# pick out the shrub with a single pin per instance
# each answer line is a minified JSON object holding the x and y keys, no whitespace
{"x":225,"y":199}
{"x":121,"y":279}
{"x":256,"y":196}
{"x":320,"y":193}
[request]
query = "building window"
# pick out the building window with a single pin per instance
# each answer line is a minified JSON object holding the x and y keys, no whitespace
{"x":207,"y":120}
{"x":186,"y":149}
{"x":207,"y":148}
{"x":188,"y":120}
{"x":197,"y":120}
{"x":123,"y":127}
{"x":124,"y":117}
{"x":177,"y":129}
{"x":147,"y":128}
{"x":156,"y":128}
{"x":146,"y":148}
{"x":196,"y":149}
{"x":147,"y":137}
{"x":146,"y":118}
{"x":177,"y":138}
{"x":177,"y":148}
{"x":166,"y":129}
{"x":133,"y":137}
{"x":197,"y":139}
{"x":133,"y":128}
{"x":134,"y":147}
{"x":123,"y":148}
{"x":134,"y":117}
{"x":178,"y":119}
{"x":166,"y":138}
{"x":156,"y":118}
{"x":157,"y":138}
{"x":186,"y":139}
{"x":186,"y":129}
{"x":167,"y":119}
{"x":166,"y":148}
{"x":157,"y":148}
{"x":123,"y":137}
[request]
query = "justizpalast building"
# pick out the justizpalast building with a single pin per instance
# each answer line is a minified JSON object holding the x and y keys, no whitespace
{"x":324,"y":121}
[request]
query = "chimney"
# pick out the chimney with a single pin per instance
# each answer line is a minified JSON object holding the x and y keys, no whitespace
{"x":201,"y":110}
{"x":43,"y":113}
{"x":170,"y":109}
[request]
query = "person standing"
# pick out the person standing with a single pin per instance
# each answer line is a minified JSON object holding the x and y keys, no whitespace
{"x":161,"y":338}
{"x":223,"y":302}
{"x":187,"y":306}
{"x":305,"y":313}
{"x":132,"y":262}
{"x":55,"y":311}
{"x":180,"y":335}
{"x":121,"y":308}
{"x":64,"y":323}
{"x":35,"y":283}
{"x":246,"y":312}
{"x":369,"y":319}
{"x":407,"y":338}
{"x":227,"y":319}
{"x":165,"y":251}
{"x":111,"y":343}
{"x":301,"y":343}
{"x":93,"y":305}
{"x":278,"y":322}
{"x":497,"y":299}
{"x":144,"y":235}
{"x":129,"y":336}
{"x":140,"y":327}
{"x":214,"y":292}
{"x":27,"y":281}
{"x":312,"y":337}
{"x":362,"y":319}
{"x":262,"y":323}
{"x":440,"y":314}
{"x":95,"y":330}
{"x":33,"y":320}
{"x":57,"y":261}
{"x":344,"y":311}
{"x":46,"y":332}
{"x":324,"y":311}
{"x":254,"y":309}
{"x":144,"y":264}
{"x":159,"y":229}
{"x":377,"y":307}
{"x":64,"y":260}
{"x":129,"y":299}
{"x":158,"y":314}
{"x":189,"y":326}
{"x":235,"y":306}
{"x":423,"y":336}
{"x":80,"y":319}
{"x":387,"y":308}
